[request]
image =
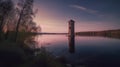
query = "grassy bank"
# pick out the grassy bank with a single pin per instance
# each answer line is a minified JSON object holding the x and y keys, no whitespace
{"x":19,"y":54}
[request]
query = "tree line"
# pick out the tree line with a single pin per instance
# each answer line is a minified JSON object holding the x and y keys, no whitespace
{"x":17,"y":18}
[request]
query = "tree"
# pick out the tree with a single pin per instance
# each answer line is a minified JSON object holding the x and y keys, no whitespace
{"x":32,"y":27}
{"x":25,"y":8}
{"x":37,"y":29}
{"x":6,"y":8}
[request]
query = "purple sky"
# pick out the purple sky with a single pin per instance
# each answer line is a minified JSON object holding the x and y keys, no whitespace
{"x":90,"y":15}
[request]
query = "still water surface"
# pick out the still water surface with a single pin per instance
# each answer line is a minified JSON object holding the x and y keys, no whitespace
{"x":88,"y":50}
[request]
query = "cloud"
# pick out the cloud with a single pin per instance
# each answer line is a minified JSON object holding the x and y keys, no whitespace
{"x":95,"y":12}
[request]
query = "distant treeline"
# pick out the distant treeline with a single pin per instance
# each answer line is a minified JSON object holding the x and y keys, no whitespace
{"x":105,"y":33}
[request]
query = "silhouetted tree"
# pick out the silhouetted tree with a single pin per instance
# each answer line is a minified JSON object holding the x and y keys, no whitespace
{"x":6,"y":9}
{"x":25,"y":8}
{"x":33,"y":27}
{"x":17,"y":17}
{"x":36,"y":29}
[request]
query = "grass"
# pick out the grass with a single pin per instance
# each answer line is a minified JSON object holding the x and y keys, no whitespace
{"x":18,"y":54}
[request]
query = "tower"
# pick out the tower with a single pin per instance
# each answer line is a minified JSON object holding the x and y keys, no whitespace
{"x":71,"y":31}
{"x":71,"y":36}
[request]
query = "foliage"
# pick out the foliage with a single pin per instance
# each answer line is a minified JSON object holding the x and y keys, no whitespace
{"x":6,"y":12}
{"x":16,"y":22}
{"x":17,"y":18}
{"x":25,"y":20}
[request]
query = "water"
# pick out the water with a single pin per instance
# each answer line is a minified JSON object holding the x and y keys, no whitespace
{"x":90,"y":51}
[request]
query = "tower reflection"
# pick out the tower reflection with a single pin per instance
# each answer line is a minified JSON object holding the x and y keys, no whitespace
{"x":71,"y":44}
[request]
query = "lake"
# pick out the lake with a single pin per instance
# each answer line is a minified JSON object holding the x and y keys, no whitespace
{"x":87,"y":51}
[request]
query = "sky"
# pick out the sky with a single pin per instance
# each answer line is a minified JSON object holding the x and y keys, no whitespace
{"x":89,"y":15}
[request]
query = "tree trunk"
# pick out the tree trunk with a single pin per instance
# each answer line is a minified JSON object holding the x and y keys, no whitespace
{"x":6,"y":35}
{"x":18,"y":24}
{"x":17,"y":28}
{"x":1,"y":27}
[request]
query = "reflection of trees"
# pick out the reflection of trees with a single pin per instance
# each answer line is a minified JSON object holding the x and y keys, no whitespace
{"x":31,"y":42}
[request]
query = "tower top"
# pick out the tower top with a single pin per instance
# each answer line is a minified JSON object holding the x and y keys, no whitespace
{"x":71,"y":20}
